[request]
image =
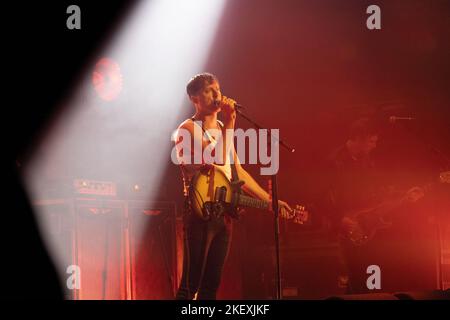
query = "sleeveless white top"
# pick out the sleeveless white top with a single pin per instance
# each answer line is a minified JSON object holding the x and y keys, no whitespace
{"x":189,"y":170}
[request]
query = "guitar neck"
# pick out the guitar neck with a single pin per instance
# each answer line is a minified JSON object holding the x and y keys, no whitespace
{"x":252,"y":202}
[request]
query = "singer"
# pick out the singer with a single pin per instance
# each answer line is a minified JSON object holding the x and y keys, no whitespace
{"x":207,"y":242}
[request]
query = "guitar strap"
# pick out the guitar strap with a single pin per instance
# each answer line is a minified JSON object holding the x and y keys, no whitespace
{"x":234,"y":174}
{"x":211,"y":184}
{"x":236,"y":187}
{"x":235,"y":182}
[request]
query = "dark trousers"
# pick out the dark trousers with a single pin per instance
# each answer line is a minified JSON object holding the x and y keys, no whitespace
{"x":206,"y":246}
{"x":357,"y":259}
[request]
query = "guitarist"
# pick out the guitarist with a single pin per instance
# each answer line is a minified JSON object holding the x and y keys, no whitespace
{"x":206,"y":243}
{"x":356,"y":185}
{"x":353,"y":187}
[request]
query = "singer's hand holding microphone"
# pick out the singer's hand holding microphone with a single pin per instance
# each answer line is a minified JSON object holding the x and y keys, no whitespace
{"x":228,"y":107}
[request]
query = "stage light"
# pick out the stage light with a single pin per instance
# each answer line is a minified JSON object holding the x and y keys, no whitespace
{"x":107,"y":79}
{"x":141,"y":73}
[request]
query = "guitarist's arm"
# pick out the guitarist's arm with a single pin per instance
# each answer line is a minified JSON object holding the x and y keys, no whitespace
{"x":254,"y":189}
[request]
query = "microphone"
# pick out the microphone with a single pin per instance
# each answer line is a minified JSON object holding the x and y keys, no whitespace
{"x":393,"y":119}
{"x":237,"y":106}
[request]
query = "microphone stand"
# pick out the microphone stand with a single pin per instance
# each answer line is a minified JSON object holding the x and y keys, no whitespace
{"x":274,"y":192}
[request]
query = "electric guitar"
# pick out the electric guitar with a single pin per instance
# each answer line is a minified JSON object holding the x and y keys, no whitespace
{"x":211,"y":192}
{"x":361,"y":226}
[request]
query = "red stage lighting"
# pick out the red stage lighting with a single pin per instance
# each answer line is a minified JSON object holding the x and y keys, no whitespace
{"x":107,"y":79}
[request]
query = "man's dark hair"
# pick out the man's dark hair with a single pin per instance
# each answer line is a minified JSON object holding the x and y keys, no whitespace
{"x":198,"y":82}
{"x":362,"y":128}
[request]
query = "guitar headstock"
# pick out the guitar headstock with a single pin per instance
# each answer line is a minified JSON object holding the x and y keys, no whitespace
{"x":299,"y":214}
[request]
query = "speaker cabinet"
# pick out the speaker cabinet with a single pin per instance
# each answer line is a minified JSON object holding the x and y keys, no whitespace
{"x":100,"y":249}
{"x":122,"y":249}
{"x":153,"y":249}
{"x":56,"y":222}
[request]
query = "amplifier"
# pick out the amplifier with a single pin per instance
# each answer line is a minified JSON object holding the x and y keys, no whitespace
{"x":94,"y":187}
{"x":124,"y":249}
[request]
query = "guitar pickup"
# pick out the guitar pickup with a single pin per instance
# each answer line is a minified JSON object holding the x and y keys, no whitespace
{"x":220,"y":194}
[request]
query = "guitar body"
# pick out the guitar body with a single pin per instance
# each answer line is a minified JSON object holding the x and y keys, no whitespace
{"x":365,"y":225}
{"x":360,"y":227}
{"x":211,"y":193}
